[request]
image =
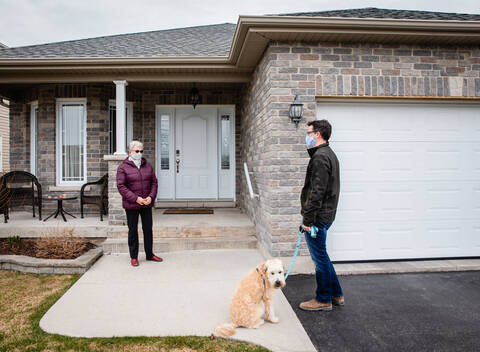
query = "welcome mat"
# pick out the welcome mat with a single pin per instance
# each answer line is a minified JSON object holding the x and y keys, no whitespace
{"x":189,"y":211}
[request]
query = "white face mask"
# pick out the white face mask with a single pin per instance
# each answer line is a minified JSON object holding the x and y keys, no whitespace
{"x":136,"y":156}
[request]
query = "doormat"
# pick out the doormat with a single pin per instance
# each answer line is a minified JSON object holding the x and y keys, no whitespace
{"x":189,"y":211}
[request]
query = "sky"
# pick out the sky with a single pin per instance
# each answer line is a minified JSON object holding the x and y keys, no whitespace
{"x":30,"y":22}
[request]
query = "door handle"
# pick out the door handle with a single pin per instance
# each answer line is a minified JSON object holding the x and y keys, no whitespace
{"x":178,"y":165}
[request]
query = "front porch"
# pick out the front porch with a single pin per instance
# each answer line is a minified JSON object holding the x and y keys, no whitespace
{"x":226,"y":228}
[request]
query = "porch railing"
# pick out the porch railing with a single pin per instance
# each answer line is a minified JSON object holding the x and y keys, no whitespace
{"x":249,"y":184}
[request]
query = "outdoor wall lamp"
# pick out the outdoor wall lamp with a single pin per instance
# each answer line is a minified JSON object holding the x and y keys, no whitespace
{"x":194,"y":96}
{"x":296,"y":111}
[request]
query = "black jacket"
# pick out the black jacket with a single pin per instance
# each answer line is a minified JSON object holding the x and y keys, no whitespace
{"x":322,"y":186}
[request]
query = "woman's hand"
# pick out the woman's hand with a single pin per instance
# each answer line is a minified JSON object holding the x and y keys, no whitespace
{"x":306,"y":228}
{"x":148,"y":200}
{"x":140,"y":200}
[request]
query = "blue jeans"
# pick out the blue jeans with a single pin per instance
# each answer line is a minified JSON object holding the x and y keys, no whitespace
{"x":327,"y":280}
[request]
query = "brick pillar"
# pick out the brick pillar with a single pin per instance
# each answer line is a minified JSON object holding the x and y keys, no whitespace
{"x":116,"y":214}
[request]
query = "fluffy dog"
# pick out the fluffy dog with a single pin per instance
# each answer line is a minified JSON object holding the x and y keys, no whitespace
{"x":253,"y":298}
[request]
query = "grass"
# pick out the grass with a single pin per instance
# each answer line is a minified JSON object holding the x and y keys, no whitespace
{"x":25,"y":298}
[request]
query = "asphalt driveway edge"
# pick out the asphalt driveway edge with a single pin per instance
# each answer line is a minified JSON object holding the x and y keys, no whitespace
{"x":304,"y":265}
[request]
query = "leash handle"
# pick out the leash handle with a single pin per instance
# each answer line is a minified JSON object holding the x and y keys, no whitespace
{"x":313,"y":231}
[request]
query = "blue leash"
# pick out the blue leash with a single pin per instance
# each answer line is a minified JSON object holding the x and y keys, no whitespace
{"x":313,"y":233}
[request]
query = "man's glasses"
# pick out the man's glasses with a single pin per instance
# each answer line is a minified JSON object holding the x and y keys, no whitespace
{"x":138,"y":151}
{"x":308,"y":132}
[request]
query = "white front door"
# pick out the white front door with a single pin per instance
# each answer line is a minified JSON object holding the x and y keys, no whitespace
{"x":195,"y":152}
{"x":196,"y":169}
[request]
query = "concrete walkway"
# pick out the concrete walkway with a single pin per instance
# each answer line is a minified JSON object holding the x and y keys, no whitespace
{"x":187,"y":294}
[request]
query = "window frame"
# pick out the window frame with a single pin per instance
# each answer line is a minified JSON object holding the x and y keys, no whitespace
{"x":59,"y":104}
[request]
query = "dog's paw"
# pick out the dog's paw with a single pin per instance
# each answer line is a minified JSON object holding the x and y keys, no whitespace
{"x":259,"y":323}
{"x":274,"y":320}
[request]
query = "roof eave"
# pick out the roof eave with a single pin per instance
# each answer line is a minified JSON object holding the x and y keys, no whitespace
{"x":252,"y":35}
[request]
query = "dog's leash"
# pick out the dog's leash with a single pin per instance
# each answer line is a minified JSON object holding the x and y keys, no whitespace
{"x":313,"y":233}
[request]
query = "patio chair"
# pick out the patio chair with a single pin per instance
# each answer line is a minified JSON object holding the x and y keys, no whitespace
{"x":100,"y":199}
{"x":21,"y":188}
{"x":4,"y":200}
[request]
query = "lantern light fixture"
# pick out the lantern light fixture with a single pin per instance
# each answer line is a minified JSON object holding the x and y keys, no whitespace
{"x":296,"y":111}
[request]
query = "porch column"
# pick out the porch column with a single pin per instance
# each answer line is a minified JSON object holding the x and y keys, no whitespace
{"x":121,"y":119}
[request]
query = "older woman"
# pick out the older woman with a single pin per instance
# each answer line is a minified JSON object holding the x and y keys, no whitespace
{"x":137,"y":183}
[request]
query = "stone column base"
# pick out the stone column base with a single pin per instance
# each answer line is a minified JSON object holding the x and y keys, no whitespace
{"x":116,"y":213}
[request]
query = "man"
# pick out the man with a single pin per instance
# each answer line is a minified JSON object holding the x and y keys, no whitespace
{"x":319,"y":205}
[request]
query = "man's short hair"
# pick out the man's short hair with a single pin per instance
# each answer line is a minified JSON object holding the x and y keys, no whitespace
{"x":322,"y":126}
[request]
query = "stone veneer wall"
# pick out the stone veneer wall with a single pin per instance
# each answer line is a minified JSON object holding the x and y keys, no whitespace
{"x":275,"y":151}
{"x":97,"y":97}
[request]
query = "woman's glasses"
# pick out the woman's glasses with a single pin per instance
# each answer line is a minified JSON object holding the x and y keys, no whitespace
{"x":138,"y":151}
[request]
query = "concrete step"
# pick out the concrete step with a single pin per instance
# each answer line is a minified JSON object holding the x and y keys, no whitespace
{"x":162,"y":245}
{"x":187,"y":231}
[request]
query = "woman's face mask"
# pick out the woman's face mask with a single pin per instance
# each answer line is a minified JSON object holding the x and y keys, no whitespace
{"x":136,"y":156}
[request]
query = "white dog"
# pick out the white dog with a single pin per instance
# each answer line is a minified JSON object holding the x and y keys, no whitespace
{"x":253,"y":298}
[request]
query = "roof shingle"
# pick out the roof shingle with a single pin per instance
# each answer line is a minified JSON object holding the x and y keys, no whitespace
{"x":373,"y":12}
{"x":210,"y":40}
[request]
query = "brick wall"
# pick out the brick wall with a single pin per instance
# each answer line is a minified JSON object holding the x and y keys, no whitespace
{"x":275,"y":150}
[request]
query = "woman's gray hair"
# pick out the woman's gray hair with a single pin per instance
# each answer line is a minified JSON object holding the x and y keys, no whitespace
{"x":133,"y":144}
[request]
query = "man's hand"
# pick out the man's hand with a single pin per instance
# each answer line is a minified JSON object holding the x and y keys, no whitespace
{"x":148,"y":200}
{"x":306,"y":228}
{"x":140,"y":200}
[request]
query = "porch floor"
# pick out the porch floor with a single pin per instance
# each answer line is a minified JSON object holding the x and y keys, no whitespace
{"x":23,"y":224}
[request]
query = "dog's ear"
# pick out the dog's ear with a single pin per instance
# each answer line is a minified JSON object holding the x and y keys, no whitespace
{"x":264,"y":268}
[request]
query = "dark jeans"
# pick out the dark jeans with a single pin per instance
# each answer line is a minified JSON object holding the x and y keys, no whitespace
{"x":327,"y":280}
{"x":132,"y":220}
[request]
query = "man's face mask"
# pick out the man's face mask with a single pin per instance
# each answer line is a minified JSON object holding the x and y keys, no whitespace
{"x":310,"y":141}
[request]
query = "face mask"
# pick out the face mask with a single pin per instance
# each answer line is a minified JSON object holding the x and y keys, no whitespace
{"x":136,"y":156}
{"x":310,"y":141}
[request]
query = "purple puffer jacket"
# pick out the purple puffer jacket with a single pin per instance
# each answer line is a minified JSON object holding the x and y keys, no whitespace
{"x":133,"y":182}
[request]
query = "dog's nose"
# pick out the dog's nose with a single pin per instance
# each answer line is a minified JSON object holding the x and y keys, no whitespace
{"x":278,"y":283}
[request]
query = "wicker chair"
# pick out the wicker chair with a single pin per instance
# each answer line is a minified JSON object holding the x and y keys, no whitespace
{"x":18,"y":194}
{"x":100,"y":199}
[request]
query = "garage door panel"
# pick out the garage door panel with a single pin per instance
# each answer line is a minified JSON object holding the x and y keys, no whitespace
{"x":415,"y":200}
{"x":386,"y":161}
{"x":402,"y":123}
{"x":410,"y":180}
{"x":403,"y":239}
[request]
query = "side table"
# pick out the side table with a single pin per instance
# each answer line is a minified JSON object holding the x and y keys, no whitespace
{"x":60,"y":209}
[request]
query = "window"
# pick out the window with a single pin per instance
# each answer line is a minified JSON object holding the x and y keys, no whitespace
{"x":112,"y":127}
{"x":71,"y":142}
{"x":33,"y":137}
{"x":225,"y":142}
{"x":164,"y":142}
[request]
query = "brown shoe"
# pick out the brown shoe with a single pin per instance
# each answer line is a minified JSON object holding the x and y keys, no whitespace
{"x":313,"y":304}
{"x":338,"y":301}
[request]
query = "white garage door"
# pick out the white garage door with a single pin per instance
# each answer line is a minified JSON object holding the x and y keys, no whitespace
{"x":410,"y":180}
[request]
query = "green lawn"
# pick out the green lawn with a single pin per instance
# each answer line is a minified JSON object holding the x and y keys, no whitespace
{"x":24,"y":299}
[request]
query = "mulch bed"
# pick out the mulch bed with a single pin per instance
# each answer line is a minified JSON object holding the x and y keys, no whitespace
{"x":32,"y":248}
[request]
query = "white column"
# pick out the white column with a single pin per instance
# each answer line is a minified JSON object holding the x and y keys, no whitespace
{"x":121,"y":120}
